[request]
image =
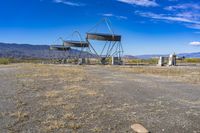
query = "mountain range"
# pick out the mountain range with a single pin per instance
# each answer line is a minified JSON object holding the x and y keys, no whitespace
{"x":13,"y":50}
{"x":186,"y":55}
{"x":27,"y":51}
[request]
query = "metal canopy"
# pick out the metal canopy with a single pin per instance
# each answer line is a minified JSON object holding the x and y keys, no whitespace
{"x":103,"y":37}
{"x":59,"y":47}
{"x":74,"y":48}
{"x":112,"y":46}
{"x":89,"y":48}
{"x":80,"y":44}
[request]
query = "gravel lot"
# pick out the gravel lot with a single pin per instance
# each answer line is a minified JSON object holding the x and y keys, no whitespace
{"x":38,"y":98}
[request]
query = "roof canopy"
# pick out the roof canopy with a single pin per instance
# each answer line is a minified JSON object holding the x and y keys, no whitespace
{"x":103,"y":37}
{"x":59,"y":47}
{"x":75,"y":44}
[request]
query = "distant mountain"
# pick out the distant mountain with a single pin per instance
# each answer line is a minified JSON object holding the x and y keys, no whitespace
{"x":12,"y":50}
{"x":186,"y":55}
{"x":190,"y":55}
{"x":129,"y":57}
{"x":148,"y":56}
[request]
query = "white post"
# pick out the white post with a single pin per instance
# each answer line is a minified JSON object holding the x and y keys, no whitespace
{"x":172,"y":60}
{"x":161,"y":61}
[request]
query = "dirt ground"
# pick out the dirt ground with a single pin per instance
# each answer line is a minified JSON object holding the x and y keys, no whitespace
{"x":36,"y":98}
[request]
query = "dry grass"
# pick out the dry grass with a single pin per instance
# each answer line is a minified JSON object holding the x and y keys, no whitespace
{"x":91,"y":93}
{"x":20,"y":103}
{"x":54,"y":102}
{"x":2,"y":114}
{"x":185,"y":74}
{"x":20,"y":116}
{"x":51,"y":123}
{"x":52,"y":94}
{"x":96,"y":130}
{"x":46,"y":71}
{"x":55,"y":94}
{"x":69,"y":116}
{"x":74,"y":89}
{"x":74,"y":125}
{"x":54,"y":98}
{"x":68,"y":107}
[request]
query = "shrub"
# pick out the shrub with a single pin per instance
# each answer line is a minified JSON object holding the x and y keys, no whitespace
{"x":4,"y":61}
{"x":192,"y":60}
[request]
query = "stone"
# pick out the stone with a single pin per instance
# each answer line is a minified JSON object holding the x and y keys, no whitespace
{"x":138,"y":128}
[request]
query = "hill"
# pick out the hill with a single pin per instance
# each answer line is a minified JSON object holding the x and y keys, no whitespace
{"x":186,"y":55}
{"x":13,"y":50}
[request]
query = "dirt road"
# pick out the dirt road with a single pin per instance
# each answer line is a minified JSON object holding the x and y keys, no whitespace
{"x":49,"y":98}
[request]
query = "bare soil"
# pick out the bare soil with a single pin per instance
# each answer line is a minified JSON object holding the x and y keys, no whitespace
{"x":36,"y":98}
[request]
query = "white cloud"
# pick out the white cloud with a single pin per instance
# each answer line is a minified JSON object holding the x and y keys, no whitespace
{"x":189,"y":22}
{"x":146,"y":3}
{"x":122,"y":17}
{"x":194,"y":26}
{"x":112,"y":15}
{"x":189,"y":13}
{"x":195,"y":43}
{"x":183,"y":6}
{"x":68,"y":3}
{"x":107,"y":15}
{"x":167,"y":17}
{"x":173,"y":0}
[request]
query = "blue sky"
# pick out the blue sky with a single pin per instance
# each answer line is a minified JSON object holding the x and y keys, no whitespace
{"x":147,"y":26}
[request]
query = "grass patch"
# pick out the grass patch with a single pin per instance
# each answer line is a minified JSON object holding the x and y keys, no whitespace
{"x":51,"y":123}
{"x":142,"y":61}
{"x":54,"y":102}
{"x":191,"y":75}
{"x":5,"y":61}
{"x":191,"y":60}
{"x":52,"y":94}
{"x":74,"y":126}
{"x":70,"y":116}
{"x":20,"y":116}
{"x":91,"y":93}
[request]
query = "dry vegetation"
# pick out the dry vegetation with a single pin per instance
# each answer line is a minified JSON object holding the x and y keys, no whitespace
{"x":45,"y":97}
{"x":4,"y":61}
{"x":186,"y":74}
{"x":56,"y":98}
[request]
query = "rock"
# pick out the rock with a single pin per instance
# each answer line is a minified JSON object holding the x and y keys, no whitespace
{"x":138,"y":128}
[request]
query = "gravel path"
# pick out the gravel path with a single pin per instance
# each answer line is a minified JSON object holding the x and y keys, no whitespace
{"x":160,"y":104}
{"x":105,"y":101}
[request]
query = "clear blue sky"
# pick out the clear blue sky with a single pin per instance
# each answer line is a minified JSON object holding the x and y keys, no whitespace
{"x":147,"y":26}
